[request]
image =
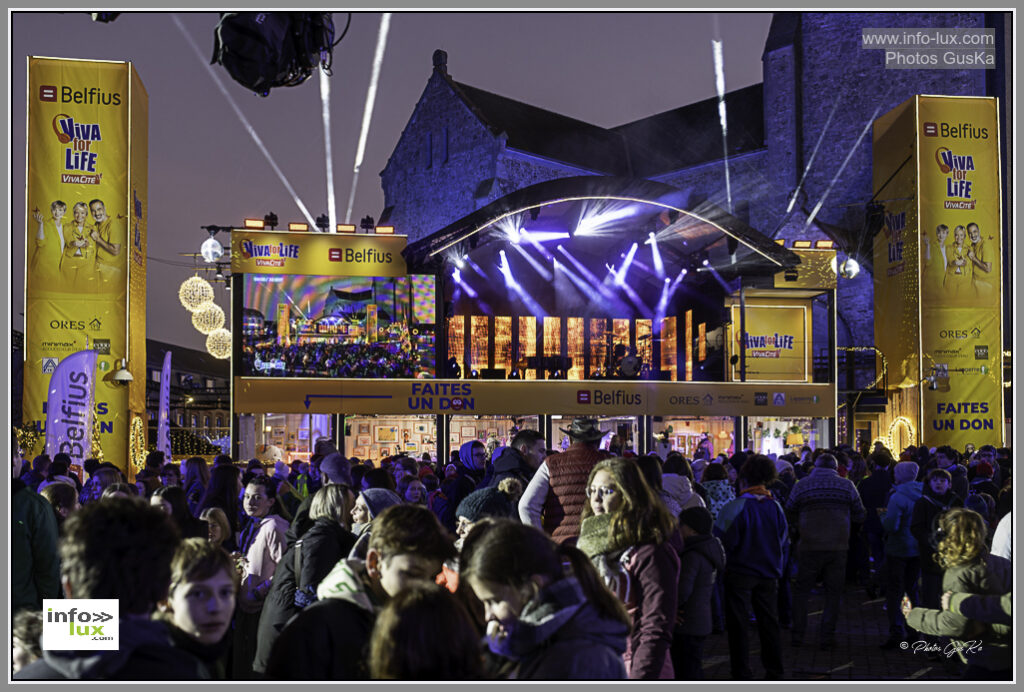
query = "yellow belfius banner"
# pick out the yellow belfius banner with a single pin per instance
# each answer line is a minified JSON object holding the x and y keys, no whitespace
{"x":318,"y":254}
{"x":961,"y":257}
{"x":83,"y":267}
{"x":501,"y":397}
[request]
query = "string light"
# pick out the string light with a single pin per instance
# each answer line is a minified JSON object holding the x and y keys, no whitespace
{"x":137,"y":447}
{"x":195,"y":293}
{"x":208,"y":319}
{"x":218,"y":343}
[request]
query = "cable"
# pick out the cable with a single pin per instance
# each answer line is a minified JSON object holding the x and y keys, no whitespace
{"x":344,"y":31}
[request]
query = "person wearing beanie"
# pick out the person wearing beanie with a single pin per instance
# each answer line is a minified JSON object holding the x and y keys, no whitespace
{"x":901,"y":551}
{"x":700,"y":561}
{"x":937,"y":498}
{"x":369,"y":504}
{"x":491,"y":501}
{"x":470,"y":474}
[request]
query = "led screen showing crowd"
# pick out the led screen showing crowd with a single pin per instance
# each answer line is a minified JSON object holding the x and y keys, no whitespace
{"x":328,"y":326}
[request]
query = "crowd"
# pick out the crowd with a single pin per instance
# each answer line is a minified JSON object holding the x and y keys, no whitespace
{"x":329,"y":359}
{"x":516,"y":562}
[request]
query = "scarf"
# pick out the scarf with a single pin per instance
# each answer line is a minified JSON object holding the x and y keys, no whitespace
{"x":756,"y":490}
{"x":540,"y":619}
{"x":609,"y":552}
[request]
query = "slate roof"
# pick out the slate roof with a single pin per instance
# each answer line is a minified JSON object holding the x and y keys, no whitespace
{"x":185,"y":359}
{"x":691,"y":135}
{"x":545,"y":133}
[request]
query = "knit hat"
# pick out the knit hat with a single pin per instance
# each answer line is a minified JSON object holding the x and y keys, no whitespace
{"x":486,"y":502}
{"x":697,"y":518}
{"x":90,"y":466}
{"x":983,"y":469}
{"x":450,"y":471}
{"x":905,"y":471}
{"x":379,"y":499}
{"x":781,"y":465}
{"x":977,"y":503}
{"x":337,"y":468}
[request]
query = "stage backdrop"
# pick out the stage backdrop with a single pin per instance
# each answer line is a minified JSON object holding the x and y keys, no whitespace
{"x":85,"y":251}
{"x":938,"y":286}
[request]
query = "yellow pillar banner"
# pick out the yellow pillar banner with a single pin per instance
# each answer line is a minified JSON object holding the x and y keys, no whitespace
{"x":895,"y":247}
{"x":79,"y":204}
{"x":138,"y":215}
{"x":961,"y":277}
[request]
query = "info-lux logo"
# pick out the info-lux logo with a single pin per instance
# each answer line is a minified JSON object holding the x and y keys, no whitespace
{"x":72,"y":624}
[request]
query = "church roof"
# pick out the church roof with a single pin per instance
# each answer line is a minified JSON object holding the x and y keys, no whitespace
{"x":545,"y":133}
{"x":692,"y":135}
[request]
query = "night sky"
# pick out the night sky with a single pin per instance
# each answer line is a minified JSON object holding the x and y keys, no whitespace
{"x":603,"y":68}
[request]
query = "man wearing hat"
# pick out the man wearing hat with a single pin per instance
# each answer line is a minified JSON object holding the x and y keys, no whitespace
{"x":555,"y":496}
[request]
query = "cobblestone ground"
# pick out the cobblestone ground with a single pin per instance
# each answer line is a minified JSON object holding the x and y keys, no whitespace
{"x":862,"y":628}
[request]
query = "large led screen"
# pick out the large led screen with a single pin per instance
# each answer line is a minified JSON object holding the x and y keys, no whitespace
{"x":328,"y":326}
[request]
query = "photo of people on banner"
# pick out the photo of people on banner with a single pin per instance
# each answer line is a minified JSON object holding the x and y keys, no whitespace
{"x":957,"y":265}
{"x":80,"y":254}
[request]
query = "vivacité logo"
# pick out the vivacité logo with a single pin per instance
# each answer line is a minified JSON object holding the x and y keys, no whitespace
{"x":80,"y":624}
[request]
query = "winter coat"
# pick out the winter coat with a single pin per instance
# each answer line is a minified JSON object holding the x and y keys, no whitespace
{"x":824,"y":504}
{"x":652,"y":606}
{"x":560,"y":635}
{"x":330,"y":639}
{"x":321,"y":548}
{"x":899,"y":542}
{"x":701,"y":559}
{"x":720,"y":493}
{"x":874,"y":493}
{"x":678,"y":493}
{"x":992,"y":576}
{"x":145,"y":652}
{"x":645,"y":577}
{"x":35,"y":568}
{"x":568,"y":473}
{"x":755,"y":535}
{"x":511,"y":464}
{"x":924,"y":520}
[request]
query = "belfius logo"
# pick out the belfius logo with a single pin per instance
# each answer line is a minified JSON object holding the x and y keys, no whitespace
{"x":77,"y":624}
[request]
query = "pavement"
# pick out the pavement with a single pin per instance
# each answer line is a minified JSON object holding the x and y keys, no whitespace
{"x":862,"y":627}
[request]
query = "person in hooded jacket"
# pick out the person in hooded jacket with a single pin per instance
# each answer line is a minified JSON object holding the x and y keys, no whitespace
{"x":701,"y":559}
{"x":545,"y":607}
{"x":521,"y":458}
{"x":330,"y":639}
{"x":629,"y":535}
{"x":334,"y":468}
{"x":937,"y":498}
{"x":304,"y":565}
{"x":901,"y":551}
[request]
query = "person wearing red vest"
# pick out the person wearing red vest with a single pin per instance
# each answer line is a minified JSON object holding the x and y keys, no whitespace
{"x":556,"y":495}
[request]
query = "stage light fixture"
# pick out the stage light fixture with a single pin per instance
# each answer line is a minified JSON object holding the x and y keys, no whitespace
{"x":384,"y":230}
{"x":293,"y":226}
{"x":257,"y":224}
{"x":346,"y":228}
{"x":323,"y":223}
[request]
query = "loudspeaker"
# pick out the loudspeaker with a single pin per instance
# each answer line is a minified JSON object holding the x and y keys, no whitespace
{"x":492,"y":374}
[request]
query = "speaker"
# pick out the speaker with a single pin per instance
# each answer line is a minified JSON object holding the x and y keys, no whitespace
{"x":492,"y":373}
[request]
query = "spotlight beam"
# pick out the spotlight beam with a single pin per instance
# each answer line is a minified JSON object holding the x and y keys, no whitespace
{"x":511,"y":282}
{"x":659,"y":265}
{"x":810,"y":161}
{"x":537,"y":266}
{"x":620,"y":276}
{"x":325,"y":114}
{"x":248,"y":126}
{"x":371,"y":97}
{"x":716,"y":50}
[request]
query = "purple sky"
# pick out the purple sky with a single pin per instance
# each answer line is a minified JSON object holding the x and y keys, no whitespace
{"x":604,"y":68}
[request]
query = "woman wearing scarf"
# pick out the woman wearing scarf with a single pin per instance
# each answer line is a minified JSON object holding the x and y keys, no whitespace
{"x":631,"y":538}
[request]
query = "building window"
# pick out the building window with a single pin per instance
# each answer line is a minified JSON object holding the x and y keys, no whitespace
{"x":181,"y":419}
{"x":194,"y":421}
{"x":209,"y":383}
{"x":220,"y":422}
{"x":154,"y":375}
{"x":206,"y":421}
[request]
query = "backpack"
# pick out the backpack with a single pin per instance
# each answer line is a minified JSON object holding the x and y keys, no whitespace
{"x":261,"y":50}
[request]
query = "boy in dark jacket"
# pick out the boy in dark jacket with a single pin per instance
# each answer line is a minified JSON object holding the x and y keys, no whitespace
{"x":120,"y":548}
{"x":937,"y":497}
{"x":755,"y":535}
{"x":330,"y":639}
{"x":700,"y":560}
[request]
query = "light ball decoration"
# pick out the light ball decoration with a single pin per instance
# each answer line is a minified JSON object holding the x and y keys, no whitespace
{"x":208,"y":319}
{"x":195,"y":294}
{"x":218,"y":343}
{"x":211,"y":250}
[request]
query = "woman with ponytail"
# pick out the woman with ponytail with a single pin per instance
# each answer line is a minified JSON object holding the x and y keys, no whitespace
{"x":545,"y":607}
{"x":632,"y":539}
